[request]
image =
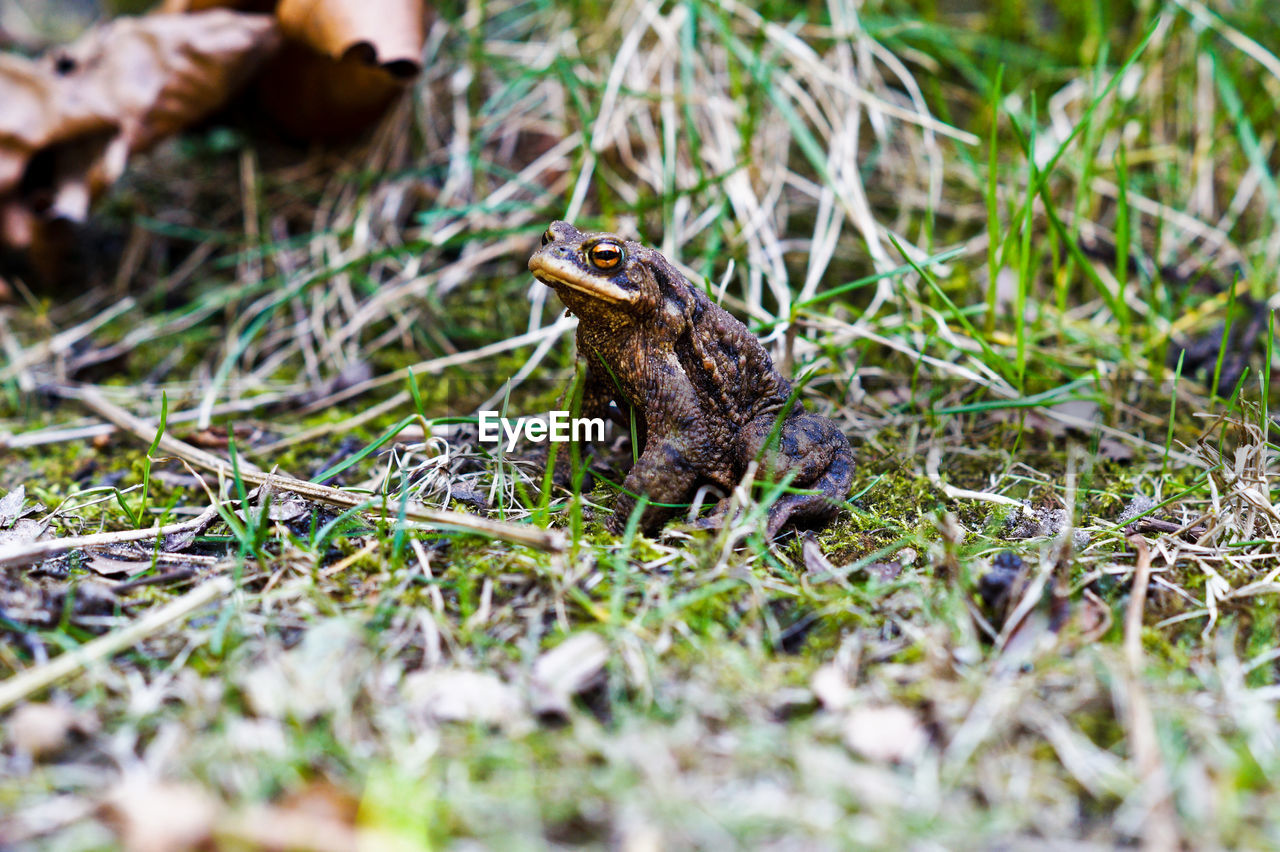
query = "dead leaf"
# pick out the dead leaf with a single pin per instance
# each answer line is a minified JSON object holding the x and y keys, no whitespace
{"x":107,"y":566}
{"x":53,"y":138}
{"x":70,"y":120}
{"x":23,"y":531}
{"x":388,"y":34}
{"x":160,"y":73}
{"x":342,"y":62}
{"x":156,"y":816}
{"x":41,"y":730}
{"x":820,"y":569}
{"x":310,"y":96}
{"x":282,"y":508}
{"x":1113,"y":449}
{"x":175,"y":6}
{"x":40,"y":111}
{"x":11,"y":505}
{"x":885,"y":734}
{"x":816,"y":563}
{"x":176,"y":542}
{"x":884,"y":572}
{"x":831,"y":687}
{"x":457,"y":695}
{"x":570,"y":668}
{"x":1078,"y":412}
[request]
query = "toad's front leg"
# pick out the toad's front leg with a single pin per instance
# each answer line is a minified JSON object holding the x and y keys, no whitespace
{"x":665,"y":474}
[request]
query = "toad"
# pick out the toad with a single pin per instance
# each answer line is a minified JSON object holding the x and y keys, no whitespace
{"x":703,"y":393}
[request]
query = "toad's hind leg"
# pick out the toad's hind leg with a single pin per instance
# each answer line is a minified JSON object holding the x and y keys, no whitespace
{"x":816,"y":454}
{"x":814,"y":510}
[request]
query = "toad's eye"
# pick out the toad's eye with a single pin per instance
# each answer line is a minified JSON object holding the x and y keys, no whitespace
{"x":548,"y":237}
{"x":605,"y":255}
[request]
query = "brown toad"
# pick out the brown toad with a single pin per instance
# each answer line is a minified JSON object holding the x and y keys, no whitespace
{"x":704,"y":393}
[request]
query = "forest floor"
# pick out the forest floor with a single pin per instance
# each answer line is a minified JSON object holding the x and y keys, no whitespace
{"x":1025,"y":257}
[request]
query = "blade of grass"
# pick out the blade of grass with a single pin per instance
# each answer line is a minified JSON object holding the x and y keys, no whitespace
{"x":1046,"y":171}
{"x":1173,"y":408}
{"x":1024,"y":262}
{"x":992,"y":199}
{"x":1222,"y":343}
{"x":1122,"y":251}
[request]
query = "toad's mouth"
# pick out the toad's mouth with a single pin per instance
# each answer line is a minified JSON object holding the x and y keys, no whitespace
{"x":570,"y":277}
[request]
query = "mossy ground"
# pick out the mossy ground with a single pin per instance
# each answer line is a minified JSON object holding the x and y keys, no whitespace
{"x":860,"y":687}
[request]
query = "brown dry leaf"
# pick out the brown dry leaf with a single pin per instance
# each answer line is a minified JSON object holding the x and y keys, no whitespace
{"x":51,"y":132}
{"x":175,"y":6}
{"x":11,"y":505}
{"x":816,"y":563}
{"x":22,"y":531}
{"x":387,"y":34}
{"x":342,"y":64}
{"x":40,"y":110}
{"x":310,"y":96}
{"x":1113,"y":449}
{"x":160,"y":73}
{"x":318,"y":817}
{"x":70,"y":120}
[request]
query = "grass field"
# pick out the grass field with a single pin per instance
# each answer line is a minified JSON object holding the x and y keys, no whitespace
{"x":1025,"y":253}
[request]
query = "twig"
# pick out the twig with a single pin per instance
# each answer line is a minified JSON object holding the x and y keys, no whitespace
{"x":932,"y":462}
{"x":436,"y":365}
{"x":62,"y":434}
{"x":107,"y":410}
{"x":349,"y":425}
{"x":21,"y":685}
{"x":15,"y":555}
{"x":542,"y":539}
{"x":1156,"y":525}
{"x":62,"y":341}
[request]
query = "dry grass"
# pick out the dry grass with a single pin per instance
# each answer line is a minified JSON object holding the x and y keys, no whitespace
{"x":1047,"y":617}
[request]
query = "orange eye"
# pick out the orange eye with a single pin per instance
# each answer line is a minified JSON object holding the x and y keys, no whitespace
{"x":548,"y":237}
{"x":605,"y":255}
